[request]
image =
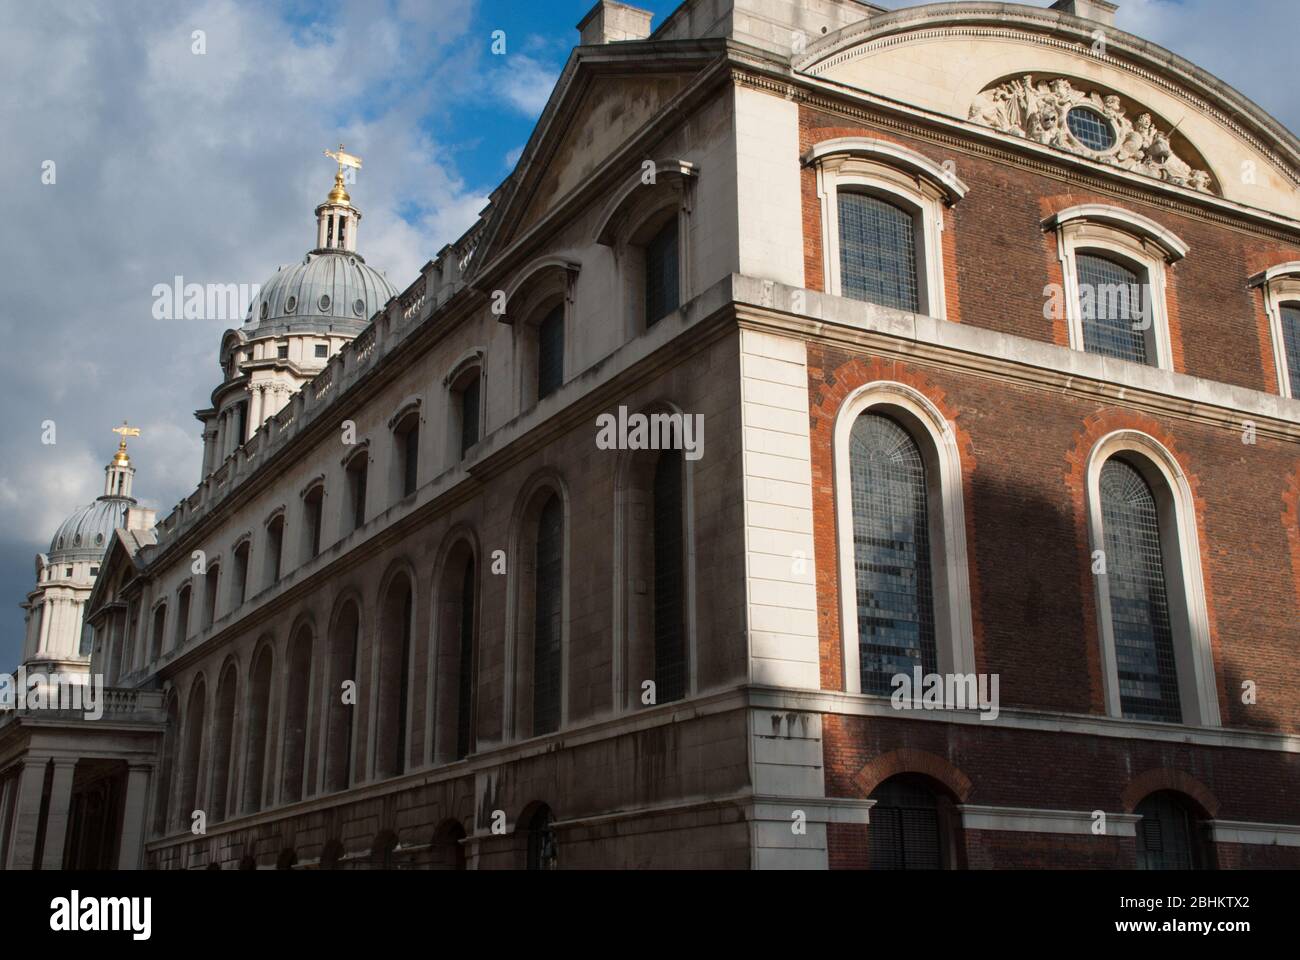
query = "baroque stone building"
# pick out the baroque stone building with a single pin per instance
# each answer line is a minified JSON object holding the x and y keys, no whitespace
{"x":991,"y":313}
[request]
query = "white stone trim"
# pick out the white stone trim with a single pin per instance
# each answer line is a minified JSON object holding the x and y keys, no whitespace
{"x":1032,"y":820}
{"x":950,"y":573}
{"x":1142,"y":245}
{"x":1255,"y":834}
{"x":1040,"y":721}
{"x":902,"y":176}
{"x":1189,"y":617}
{"x":1281,"y":286}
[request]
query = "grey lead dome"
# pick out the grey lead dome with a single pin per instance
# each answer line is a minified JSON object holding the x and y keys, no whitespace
{"x":328,"y":291}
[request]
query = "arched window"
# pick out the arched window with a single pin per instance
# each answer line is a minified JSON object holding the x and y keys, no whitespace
{"x":297,"y":702}
{"x":891,"y":550}
{"x":338,"y":715}
{"x":182,"y":615}
{"x":882,"y":219}
{"x":156,"y":637}
{"x":465,"y":664}
{"x":909,"y":826}
{"x":1153,"y":622}
{"x":877,"y":251}
{"x":669,"y":580}
{"x":222,"y":737}
{"x":211,"y":582}
{"x":406,"y":446}
{"x":662,"y":273}
{"x":167,"y":772}
{"x":1139,"y":600}
{"x":274,"y":549}
{"x":1290,"y":314}
{"x":259,"y":714}
{"x":357,"y":471}
{"x":313,"y":512}
{"x":393,"y":681}
{"x":542,"y":852}
{"x":547,"y":618}
{"x":239,"y":586}
{"x":190,"y":756}
{"x":466,"y":406}
{"x":1112,"y":307}
{"x":1170,"y":835}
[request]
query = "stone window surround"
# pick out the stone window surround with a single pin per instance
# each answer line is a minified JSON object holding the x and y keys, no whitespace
{"x":937,"y":440}
{"x":1141,"y":244}
{"x":1180,"y":547}
{"x":898,"y":174}
{"x":1281,"y":286}
{"x":625,"y":226}
{"x":540,"y":284}
{"x":455,"y":381}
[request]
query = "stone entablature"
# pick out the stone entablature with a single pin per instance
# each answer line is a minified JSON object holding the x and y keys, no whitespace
{"x":1050,"y":113}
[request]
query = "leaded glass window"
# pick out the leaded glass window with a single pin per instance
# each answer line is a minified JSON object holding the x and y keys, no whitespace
{"x":877,"y":252}
{"x":547,"y":618}
{"x":1291,"y":344}
{"x":1091,"y":129}
{"x":662,"y":294}
{"x":905,"y":827}
{"x":1112,"y":305}
{"x":550,"y":353}
{"x":469,"y":415}
{"x":1139,"y":602}
{"x":891,"y":553}
{"x":669,"y":614}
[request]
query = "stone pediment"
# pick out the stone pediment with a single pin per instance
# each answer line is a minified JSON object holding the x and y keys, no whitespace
{"x":1086,"y":123}
{"x":609,"y":113}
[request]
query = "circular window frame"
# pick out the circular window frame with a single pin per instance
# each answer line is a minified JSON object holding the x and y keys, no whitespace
{"x":324,"y":303}
{"x":291,"y":305}
{"x":1103,"y":121}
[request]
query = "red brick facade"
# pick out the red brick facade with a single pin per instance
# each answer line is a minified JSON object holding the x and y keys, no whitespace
{"x":1024,"y":450}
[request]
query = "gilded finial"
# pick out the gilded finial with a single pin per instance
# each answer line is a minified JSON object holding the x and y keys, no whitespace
{"x":339,"y":194}
{"x":124,"y":431}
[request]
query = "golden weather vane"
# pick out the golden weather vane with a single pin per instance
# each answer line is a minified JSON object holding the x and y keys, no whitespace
{"x":340,"y":194}
{"x":124,"y":431}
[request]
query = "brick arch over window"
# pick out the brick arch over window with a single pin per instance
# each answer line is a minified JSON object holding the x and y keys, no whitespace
{"x":1167,"y":778}
{"x":910,"y":760}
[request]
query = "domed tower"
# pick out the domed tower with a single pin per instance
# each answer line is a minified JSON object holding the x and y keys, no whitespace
{"x":300,"y":318}
{"x":65,"y":575}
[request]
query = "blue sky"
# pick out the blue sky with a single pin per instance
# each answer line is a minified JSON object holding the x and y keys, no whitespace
{"x":209,"y":166}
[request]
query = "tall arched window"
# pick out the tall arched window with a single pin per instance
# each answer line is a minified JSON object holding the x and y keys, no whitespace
{"x":393,"y":681}
{"x":669,"y":580}
{"x":1170,"y":835}
{"x":167,"y":773}
{"x":550,"y":352}
{"x":877,"y":251}
{"x":909,"y":823}
{"x":259,"y":715}
{"x":182,"y":616}
{"x":891,"y":549}
{"x":297,"y":700}
{"x":465,"y":664}
{"x":1139,"y":601}
{"x":339,"y":716}
{"x":222,"y":744}
{"x":1113,"y":308}
{"x":156,"y":637}
{"x":548,"y":618}
{"x":662,"y":283}
{"x":191,"y":755}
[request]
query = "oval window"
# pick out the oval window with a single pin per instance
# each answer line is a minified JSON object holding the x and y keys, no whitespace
{"x":291,"y":305}
{"x":1091,"y":129}
{"x":359,"y":308}
{"x":265,"y":309}
{"x":325,"y":303}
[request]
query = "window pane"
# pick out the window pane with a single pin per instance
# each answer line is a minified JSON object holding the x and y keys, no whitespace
{"x":1291,"y":342}
{"x":1112,"y":304}
{"x":670,"y":621}
{"x":1139,"y":605}
{"x":547,"y":618}
{"x":550,"y":353}
{"x":891,"y":548}
{"x":877,"y":252}
{"x":661,"y":274}
{"x":411,"y":458}
{"x":469,"y":415}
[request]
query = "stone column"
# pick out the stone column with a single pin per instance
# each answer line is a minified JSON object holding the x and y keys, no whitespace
{"x":56,"y":822}
{"x":26,"y":815}
{"x":133,"y":817}
{"x":46,"y":613}
{"x":255,"y":407}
